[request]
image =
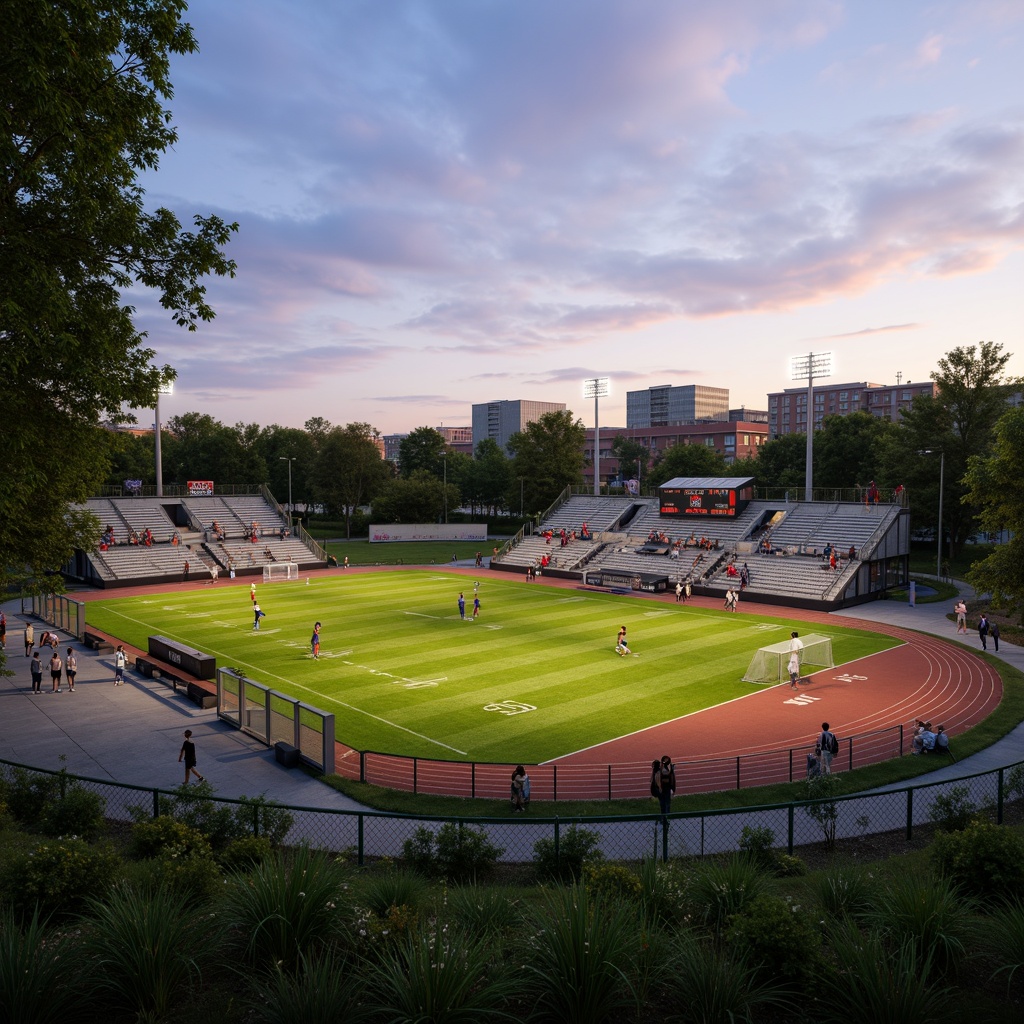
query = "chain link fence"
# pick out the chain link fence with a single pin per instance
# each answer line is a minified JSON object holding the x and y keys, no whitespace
{"x":369,"y":835}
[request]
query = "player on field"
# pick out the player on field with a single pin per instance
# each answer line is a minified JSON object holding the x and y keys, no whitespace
{"x":314,"y":642}
{"x":462,"y":605}
{"x":621,"y":647}
{"x":476,"y":607}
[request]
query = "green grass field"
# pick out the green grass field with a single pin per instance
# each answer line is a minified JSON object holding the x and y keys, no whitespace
{"x":403,"y":674}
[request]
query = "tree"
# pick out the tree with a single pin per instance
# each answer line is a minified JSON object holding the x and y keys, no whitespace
{"x":492,"y":476}
{"x":421,"y":450}
{"x":277,"y":445}
{"x":632,"y":455}
{"x":351,"y":471}
{"x":687,"y":460}
{"x":847,"y":450}
{"x":782,"y":462}
{"x":84,"y":85}
{"x":548,"y":455}
{"x":958,"y":423}
{"x":993,"y":486}
{"x":418,"y":499}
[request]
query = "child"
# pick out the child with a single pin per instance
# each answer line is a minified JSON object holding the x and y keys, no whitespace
{"x":188,"y":752}
{"x":314,"y":642}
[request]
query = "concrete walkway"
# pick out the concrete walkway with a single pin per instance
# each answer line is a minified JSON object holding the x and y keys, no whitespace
{"x":133,"y":733}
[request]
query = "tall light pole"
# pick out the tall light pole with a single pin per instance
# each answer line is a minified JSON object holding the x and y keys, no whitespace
{"x":289,"y":459}
{"x":167,"y":388}
{"x":522,"y":504}
{"x":595,"y":388}
{"x":810,"y":367}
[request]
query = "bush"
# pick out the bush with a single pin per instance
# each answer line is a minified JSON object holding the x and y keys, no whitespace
{"x":984,"y":860}
{"x":484,"y":910}
{"x":27,"y":794}
{"x":79,"y":812}
{"x":194,"y":878}
{"x":166,"y":835}
{"x":611,"y":881}
{"x":953,"y":811}
{"x":242,"y":854}
{"x":576,"y":846}
{"x":257,"y":816}
{"x":777,"y":936}
{"x":720,"y":890}
{"x":824,"y":811}
{"x":456,"y":852}
{"x":757,"y":843}
{"x":663,"y":891}
{"x":846,"y":892}
{"x":58,"y":876}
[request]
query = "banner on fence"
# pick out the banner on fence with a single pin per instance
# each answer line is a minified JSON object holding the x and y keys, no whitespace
{"x":392,"y":533}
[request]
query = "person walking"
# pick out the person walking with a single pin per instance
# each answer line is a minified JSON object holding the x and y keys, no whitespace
{"x":30,"y":639}
{"x":679,"y":591}
{"x":462,"y":605}
{"x":314,"y":641}
{"x":252,"y":592}
{"x":983,"y":629}
{"x":71,"y":669}
{"x":829,"y":745}
{"x":120,"y":660}
{"x":476,"y":606}
{"x":687,"y":590}
{"x":257,"y":614}
{"x":184,"y":572}
{"x":188,"y":753}
{"x":961,"y":616}
{"x":35,"y":666}
{"x":994,"y":633}
{"x":56,"y":669}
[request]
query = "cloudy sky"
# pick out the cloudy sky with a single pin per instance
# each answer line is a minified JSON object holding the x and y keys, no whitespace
{"x":444,"y":202}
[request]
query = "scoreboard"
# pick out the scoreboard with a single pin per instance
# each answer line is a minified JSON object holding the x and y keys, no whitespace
{"x":698,"y":501}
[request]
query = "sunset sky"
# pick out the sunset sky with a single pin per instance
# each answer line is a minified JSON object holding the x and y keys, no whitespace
{"x":456,"y":201}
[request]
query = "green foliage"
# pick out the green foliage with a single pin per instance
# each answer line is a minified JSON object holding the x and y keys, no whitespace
{"x":149,"y":946}
{"x":879,"y":984}
{"x":824,"y":810}
{"x":1014,"y":786}
{"x":437,"y":974}
{"x":258,"y":816}
{"x":565,"y":859}
{"x":352,"y":472}
{"x":777,"y":936}
{"x":192,"y":877}
{"x":321,"y":990}
{"x":242,"y":853}
{"x":716,"y":986}
{"x":845,"y":892}
{"x":41,"y":971}
{"x":83,"y":118}
{"x":1002,"y":938}
{"x":719,"y":890}
{"x":393,"y":889}
{"x":159,"y":836}
{"x":953,"y":811}
{"x":611,"y":881}
{"x":27,"y":794}
{"x":483,"y":910}
{"x":687,"y":460}
{"x":928,"y":915}
{"x":758,"y":843}
{"x":548,"y":455}
{"x":456,"y":851}
{"x":58,"y":876}
{"x":663,"y":894}
{"x":984,"y":860}
{"x":286,"y":908}
{"x":579,"y":958}
{"x":79,"y":812}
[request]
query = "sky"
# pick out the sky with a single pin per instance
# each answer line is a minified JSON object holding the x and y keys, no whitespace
{"x":445,"y":202}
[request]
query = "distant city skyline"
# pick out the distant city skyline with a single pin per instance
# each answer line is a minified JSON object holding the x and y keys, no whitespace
{"x":444,"y":203}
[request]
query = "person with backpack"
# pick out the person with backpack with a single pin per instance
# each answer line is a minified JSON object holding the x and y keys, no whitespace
{"x":829,"y":748}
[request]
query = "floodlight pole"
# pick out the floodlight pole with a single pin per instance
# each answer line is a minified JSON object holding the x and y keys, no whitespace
{"x":444,"y":455}
{"x":166,"y":388}
{"x":596,"y":387}
{"x":811,"y":366}
{"x":289,"y":459}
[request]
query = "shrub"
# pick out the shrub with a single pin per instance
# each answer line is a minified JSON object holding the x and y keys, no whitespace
{"x":79,"y":812}
{"x":720,"y":890}
{"x":824,"y":810}
{"x":611,"y":881}
{"x":564,"y":860}
{"x":845,"y":892}
{"x":953,"y":811}
{"x":984,"y":860}
{"x":28,"y":793}
{"x":663,"y":891}
{"x":777,"y":936}
{"x":58,"y":876}
{"x":149,"y":944}
{"x":1003,"y":939}
{"x":194,"y":805}
{"x":483,"y":910}
{"x":159,"y":836}
{"x":322,"y":988}
{"x":241,"y":854}
{"x":393,"y":889}
{"x":257,"y":816}
{"x":757,"y":843}
{"x":456,"y":851}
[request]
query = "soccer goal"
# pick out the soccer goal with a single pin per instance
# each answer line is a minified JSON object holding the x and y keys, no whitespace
{"x":275,"y":571}
{"x":769,"y":664}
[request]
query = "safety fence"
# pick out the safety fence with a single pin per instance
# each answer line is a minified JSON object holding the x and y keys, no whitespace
{"x":58,"y":611}
{"x":369,"y":835}
{"x":570,"y":781}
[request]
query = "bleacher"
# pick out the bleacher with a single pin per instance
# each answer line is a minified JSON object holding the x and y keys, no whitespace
{"x":164,"y":561}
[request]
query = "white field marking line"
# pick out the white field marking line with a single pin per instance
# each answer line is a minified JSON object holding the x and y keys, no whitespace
{"x":424,"y":615}
{"x":569,"y":600}
{"x":669,"y":721}
{"x":309,"y":689}
{"x":654,"y":615}
{"x":399,"y":680}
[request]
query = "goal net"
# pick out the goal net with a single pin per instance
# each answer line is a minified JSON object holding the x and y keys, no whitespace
{"x":280,"y":571}
{"x":769,"y":664}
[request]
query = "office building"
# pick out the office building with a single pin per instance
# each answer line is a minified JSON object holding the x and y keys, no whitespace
{"x":500,"y":420}
{"x":666,"y":406}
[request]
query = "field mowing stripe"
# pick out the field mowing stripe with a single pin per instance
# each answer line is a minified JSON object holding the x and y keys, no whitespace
{"x":320,"y":695}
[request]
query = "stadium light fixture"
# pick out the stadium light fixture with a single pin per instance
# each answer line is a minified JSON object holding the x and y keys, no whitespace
{"x":811,"y":367}
{"x":444,"y":457}
{"x":289,"y":459}
{"x":166,"y":388}
{"x":595,"y":388}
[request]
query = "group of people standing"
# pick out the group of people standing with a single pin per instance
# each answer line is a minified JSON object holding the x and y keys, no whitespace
{"x":986,"y":630}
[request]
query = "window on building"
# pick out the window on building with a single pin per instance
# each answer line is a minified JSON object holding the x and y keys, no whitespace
{"x":709,"y":441}
{"x":730,"y":440}
{"x":746,"y":439}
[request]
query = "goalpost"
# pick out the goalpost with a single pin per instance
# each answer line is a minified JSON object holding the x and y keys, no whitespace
{"x":275,"y":571}
{"x":769,"y":663}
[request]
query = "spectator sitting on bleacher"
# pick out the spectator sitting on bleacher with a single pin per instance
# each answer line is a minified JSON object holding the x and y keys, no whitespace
{"x":268,"y":554}
{"x":148,"y":537}
{"x":133,"y":537}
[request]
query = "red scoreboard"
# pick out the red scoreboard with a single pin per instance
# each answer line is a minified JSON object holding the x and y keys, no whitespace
{"x":682,"y":499}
